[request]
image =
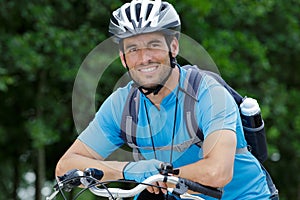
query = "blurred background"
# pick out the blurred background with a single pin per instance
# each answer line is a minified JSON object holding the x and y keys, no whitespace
{"x":255,"y":44}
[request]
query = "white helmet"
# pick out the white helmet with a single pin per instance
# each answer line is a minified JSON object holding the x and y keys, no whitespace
{"x":144,"y":16}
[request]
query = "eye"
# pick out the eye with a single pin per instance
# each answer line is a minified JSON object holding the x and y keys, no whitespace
{"x":131,"y":50}
{"x":155,"y":45}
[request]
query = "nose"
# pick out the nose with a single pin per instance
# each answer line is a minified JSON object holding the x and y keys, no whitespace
{"x":145,"y":56}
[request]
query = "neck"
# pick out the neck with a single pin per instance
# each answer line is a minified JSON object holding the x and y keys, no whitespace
{"x":168,"y":87}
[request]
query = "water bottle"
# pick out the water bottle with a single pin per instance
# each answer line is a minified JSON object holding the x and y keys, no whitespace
{"x":254,"y":129}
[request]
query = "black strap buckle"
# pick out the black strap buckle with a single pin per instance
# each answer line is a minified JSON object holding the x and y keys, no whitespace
{"x":167,"y":169}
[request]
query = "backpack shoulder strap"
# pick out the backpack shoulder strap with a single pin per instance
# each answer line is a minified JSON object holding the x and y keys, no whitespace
{"x":191,"y":86}
{"x":129,"y":122}
{"x":130,"y":116}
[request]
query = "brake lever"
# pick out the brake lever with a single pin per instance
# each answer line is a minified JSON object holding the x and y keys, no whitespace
{"x":167,"y":169}
{"x":69,"y":180}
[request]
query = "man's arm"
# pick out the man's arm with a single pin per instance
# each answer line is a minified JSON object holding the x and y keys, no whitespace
{"x":216,"y":167}
{"x":80,"y":156}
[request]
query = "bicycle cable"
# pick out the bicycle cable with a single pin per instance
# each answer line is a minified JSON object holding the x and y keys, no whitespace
{"x":60,"y":190}
{"x":97,"y":182}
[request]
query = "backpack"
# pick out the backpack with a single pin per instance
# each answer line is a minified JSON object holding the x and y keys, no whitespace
{"x":257,"y":144}
{"x":256,"y":141}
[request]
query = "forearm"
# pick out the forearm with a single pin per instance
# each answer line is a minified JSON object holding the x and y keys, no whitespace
{"x":207,"y":174}
{"x":216,"y":167}
{"x":112,"y":169}
{"x":79,"y":156}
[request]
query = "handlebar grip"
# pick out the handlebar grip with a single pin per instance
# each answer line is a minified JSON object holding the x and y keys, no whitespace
{"x":206,"y":190}
{"x":93,"y":172}
{"x":91,"y":176}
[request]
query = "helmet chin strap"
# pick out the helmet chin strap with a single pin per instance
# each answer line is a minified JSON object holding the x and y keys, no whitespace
{"x":155,"y":90}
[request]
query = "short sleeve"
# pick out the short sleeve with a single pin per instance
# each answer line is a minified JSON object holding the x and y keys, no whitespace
{"x":103,"y":134}
{"x":216,"y":108}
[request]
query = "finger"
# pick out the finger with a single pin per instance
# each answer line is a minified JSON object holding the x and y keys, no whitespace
{"x":156,"y":189}
{"x":163,"y":187}
{"x":150,"y":189}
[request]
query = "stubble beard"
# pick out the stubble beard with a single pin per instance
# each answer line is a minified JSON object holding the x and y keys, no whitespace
{"x":144,"y":82}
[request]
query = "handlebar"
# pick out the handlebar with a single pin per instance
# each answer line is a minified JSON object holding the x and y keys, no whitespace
{"x":89,"y":180}
{"x":206,"y":190}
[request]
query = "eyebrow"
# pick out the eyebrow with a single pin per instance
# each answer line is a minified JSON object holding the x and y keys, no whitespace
{"x":150,"y":42}
{"x":155,"y":41}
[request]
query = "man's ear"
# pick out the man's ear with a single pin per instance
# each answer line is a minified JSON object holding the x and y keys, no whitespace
{"x":121,"y":54}
{"x":174,"y":47}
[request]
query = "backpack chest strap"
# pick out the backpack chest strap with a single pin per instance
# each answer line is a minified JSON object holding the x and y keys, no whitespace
{"x":177,"y":147}
{"x":181,"y":147}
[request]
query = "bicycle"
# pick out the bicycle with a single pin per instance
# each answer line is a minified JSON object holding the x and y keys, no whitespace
{"x":90,"y":179}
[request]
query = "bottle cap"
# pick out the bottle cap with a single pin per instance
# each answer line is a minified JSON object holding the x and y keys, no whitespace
{"x":249,"y":107}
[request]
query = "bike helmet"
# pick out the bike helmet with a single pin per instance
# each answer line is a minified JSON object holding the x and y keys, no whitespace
{"x":144,"y":16}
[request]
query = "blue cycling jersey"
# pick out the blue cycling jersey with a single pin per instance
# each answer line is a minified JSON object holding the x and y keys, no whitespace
{"x":215,"y":110}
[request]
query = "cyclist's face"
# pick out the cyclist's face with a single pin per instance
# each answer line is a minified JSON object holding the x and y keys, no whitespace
{"x":147,"y":57}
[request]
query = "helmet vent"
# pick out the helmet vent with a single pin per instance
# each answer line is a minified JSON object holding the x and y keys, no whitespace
{"x":149,"y":11}
{"x":127,"y":11}
{"x":162,"y":7}
{"x":114,"y":20}
{"x":138,"y":11}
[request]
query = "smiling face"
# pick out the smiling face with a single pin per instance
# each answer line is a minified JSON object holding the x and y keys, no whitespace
{"x":147,"y":57}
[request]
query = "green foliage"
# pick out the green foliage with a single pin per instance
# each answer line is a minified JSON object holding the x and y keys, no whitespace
{"x":255,"y":44}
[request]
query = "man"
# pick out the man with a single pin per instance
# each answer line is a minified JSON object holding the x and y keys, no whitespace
{"x":147,"y":33}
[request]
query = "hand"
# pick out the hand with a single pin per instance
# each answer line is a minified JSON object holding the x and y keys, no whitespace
{"x":161,"y":188}
{"x":141,"y":170}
